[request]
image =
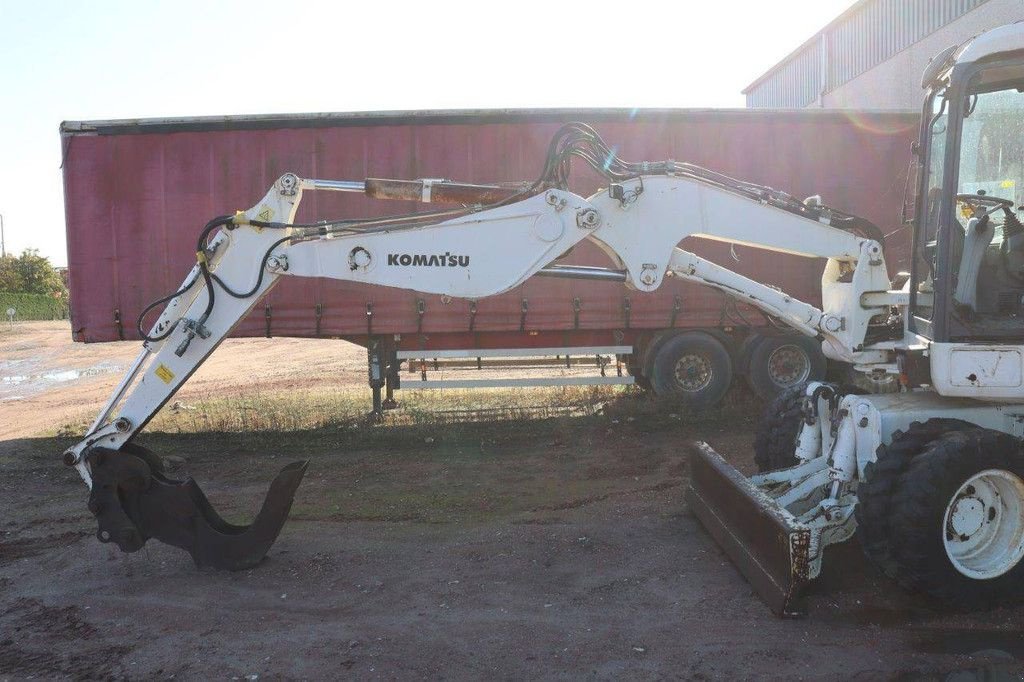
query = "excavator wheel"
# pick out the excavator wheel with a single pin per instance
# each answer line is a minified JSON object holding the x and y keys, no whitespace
{"x":956,"y":522}
{"x":775,"y":442}
{"x":876,"y":492}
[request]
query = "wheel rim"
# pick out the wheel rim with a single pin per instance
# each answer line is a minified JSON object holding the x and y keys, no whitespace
{"x":788,"y":365}
{"x":693,"y":372}
{"x":983,"y":527}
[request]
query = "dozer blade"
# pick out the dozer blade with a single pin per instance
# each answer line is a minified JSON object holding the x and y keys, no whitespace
{"x":134,"y":501}
{"x":765,"y":542}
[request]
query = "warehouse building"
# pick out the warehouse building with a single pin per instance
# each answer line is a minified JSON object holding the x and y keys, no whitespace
{"x":872,"y":56}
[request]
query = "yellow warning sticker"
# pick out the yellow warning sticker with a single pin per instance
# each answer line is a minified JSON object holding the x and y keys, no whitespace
{"x":1007,"y":184}
{"x":164,"y":373}
{"x":266,"y":214}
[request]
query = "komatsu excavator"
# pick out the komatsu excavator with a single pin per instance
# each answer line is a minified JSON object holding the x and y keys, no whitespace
{"x":932,"y":475}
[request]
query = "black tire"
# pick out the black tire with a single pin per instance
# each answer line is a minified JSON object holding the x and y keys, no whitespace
{"x":918,"y":507}
{"x":693,"y":368}
{"x":781,"y":362}
{"x":775,"y":440}
{"x":745,"y":349}
{"x":634,"y":367}
{"x":875,"y":494}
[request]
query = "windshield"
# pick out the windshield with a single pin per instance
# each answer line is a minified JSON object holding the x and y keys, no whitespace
{"x":992,"y":149}
{"x":985,"y":232}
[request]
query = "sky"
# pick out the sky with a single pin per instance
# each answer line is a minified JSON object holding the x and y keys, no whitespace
{"x":107,"y":59}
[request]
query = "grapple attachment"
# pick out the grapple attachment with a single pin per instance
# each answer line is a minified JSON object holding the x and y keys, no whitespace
{"x":134,"y":501}
{"x":769,"y":546}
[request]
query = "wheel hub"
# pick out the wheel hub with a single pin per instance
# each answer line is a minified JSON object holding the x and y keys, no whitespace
{"x":967,"y":517}
{"x":788,"y":365}
{"x":983,"y":531}
{"x":693,"y":372}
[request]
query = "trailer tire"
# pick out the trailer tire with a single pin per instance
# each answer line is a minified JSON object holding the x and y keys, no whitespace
{"x":694,"y":368}
{"x":876,"y":493}
{"x":775,"y":441}
{"x":780,"y":362}
{"x":968,"y":485}
{"x":635,"y":369}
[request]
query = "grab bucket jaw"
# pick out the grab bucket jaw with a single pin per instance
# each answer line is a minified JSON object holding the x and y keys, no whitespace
{"x":768,"y":544}
{"x":134,"y":501}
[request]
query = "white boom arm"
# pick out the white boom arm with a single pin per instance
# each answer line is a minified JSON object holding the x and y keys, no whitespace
{"x":486,"y":252}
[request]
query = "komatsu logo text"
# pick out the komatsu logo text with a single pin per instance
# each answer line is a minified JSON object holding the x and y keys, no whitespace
{"x":440,"y":260}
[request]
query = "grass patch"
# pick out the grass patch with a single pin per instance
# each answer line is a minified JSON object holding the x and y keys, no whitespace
{"x":456,"y":456}
{"x":261,"y":410}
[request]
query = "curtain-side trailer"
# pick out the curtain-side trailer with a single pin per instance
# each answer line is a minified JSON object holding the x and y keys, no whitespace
{"x":137,"y":192}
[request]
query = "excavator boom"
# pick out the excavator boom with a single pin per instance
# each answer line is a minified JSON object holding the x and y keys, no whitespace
{"x":471,"y":250}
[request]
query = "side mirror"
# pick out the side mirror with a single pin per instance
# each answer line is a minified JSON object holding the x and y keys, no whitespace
{"x":937,"y":65}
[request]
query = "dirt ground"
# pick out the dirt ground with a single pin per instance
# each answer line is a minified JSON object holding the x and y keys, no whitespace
{"x":536,"y":548}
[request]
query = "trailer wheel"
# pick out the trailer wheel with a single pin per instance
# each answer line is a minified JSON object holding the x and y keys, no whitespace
{"x":693,"y":368}
{"x":957,"y":523}
{"x":875,"y":494}
{"x":775,"y":441}
{"x":635,"y":369}
{"x":780,"y":362}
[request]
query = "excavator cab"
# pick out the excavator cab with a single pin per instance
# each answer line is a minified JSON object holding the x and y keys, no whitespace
{"x":968,"y":270}
{"x":959,"y":367}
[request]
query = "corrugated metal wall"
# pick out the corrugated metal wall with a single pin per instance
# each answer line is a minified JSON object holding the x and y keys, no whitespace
{"x":872,"y":33}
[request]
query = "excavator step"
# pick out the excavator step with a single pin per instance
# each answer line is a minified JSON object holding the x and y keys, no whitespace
{"x":764,"y":541}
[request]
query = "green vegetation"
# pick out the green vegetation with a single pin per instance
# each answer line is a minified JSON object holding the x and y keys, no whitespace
{"x":262,"y":411}
{"x":33,"y":306}
{"x":262,"y":415}
{"x":33,"y":287}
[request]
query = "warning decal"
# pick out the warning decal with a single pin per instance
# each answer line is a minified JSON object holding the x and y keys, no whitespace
{"x":164,"y":373}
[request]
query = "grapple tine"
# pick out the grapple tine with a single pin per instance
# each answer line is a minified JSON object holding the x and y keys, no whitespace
{"x":765,"y":542}
{"x":134,"y":501}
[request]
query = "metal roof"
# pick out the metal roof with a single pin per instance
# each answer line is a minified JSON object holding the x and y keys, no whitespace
{"x":891,"y":25}
{"x":814,"y":38}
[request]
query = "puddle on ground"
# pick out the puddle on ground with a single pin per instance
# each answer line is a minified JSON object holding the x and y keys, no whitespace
{"x":68,"y":375}
{"x":20,"y":386}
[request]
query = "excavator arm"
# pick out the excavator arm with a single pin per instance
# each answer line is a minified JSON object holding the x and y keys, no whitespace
{"x":469,"y":251}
